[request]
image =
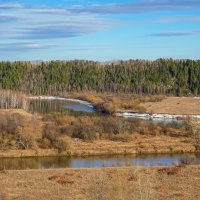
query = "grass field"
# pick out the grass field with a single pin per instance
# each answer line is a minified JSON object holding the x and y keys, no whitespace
{"x":174,"y":105}
{"x":131,"y":183}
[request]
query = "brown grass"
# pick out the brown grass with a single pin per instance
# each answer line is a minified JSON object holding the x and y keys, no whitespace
{"x":174,"y":105}
{"x":64,"y":135}
{"x":131,"y":183}
{"x":137,"y":145}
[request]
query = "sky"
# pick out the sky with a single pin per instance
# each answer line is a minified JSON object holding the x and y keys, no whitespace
{"x":103,"y":30}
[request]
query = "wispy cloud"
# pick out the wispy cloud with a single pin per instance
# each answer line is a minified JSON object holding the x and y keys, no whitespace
{"x":140,"y":7}
{"x":52,"y":23}
{"x":11,"y":6}
{"x":7,"y":18}
{"x":178,"y":18}
{"x":47,"y":23}
{"x":112,"y":8}
{"x":24,"y":46}
{"x":174,"y":34}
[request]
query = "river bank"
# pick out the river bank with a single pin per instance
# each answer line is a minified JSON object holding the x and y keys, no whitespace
{"x":180,"y":183}
{"x":139,"y":145}
{"x":149,"y":108}
{"x":153,"y":104}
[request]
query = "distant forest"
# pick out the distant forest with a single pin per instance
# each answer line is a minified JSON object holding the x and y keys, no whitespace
{"x":163,"y":76}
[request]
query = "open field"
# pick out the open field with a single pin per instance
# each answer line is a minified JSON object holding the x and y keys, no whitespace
{"x":174,"y":105}
{"x":131,"y":183}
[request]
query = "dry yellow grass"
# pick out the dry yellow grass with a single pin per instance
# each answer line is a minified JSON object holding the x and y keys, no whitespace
{"x":32,"y":124}
{"x":174,"y":105}
{"x":15,"y":111}
{"x":131,"y":183}
{"x":139,"y":144}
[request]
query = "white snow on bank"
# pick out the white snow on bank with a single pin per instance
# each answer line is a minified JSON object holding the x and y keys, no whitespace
{"x":154,"y":116}
{"x":185,"y":97}
{"x":62,"y":98}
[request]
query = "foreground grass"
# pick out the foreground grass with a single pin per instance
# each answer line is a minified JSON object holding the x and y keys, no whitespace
{"x":131,"y":183}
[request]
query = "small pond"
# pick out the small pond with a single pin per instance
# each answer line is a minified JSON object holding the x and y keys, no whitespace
{"x":96,"y":161}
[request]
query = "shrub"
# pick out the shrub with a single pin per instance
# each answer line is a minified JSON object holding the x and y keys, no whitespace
{"x":106,"y":107}
{"x":52,"y":139}
{"x":23,"y":141}
{"x":62,"y":144}
{"x":50,"y":132}
{"x":84,"y":128}
{"x":45,"y":143}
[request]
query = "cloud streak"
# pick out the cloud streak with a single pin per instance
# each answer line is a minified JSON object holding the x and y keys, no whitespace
{"x":178,"y":18}
{"x":140,"y":7}
{"x":113,"y":8}
{"x":174,"y":34}
{"x":24,"y":46}
{"x":47,"y":23}
{"x":41,"y":23}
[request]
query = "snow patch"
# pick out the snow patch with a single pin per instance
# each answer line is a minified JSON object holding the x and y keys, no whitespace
{"x":154,"y":116}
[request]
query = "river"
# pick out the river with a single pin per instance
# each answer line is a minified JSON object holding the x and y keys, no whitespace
{"x":97,"y":161}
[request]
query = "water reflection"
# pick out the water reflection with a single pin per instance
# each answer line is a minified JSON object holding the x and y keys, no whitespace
{"x":93,"y":162}
{"x":56,"y":105}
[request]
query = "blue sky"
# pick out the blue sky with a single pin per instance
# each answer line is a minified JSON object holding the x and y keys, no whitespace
{"x":99,"y":30}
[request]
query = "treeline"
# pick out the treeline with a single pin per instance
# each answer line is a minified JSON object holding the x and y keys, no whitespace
{"x":163,"y":76}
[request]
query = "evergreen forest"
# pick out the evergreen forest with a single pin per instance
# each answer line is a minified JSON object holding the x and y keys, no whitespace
{"x":162,"y":77}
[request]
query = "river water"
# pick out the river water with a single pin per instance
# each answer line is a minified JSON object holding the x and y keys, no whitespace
{"x":97,"y":161}
{"x":45,"y":105}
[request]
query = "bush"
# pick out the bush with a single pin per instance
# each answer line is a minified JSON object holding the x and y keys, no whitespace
{"x":83,"y":128}
{"x":106,"y":108}
{"x":24,"y":141}
{"x":117,"y":125}
{"x":62,"y":144}
{"x":45,"y":143}
{"x":50,"y":133}
{"x":52,"y":139}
